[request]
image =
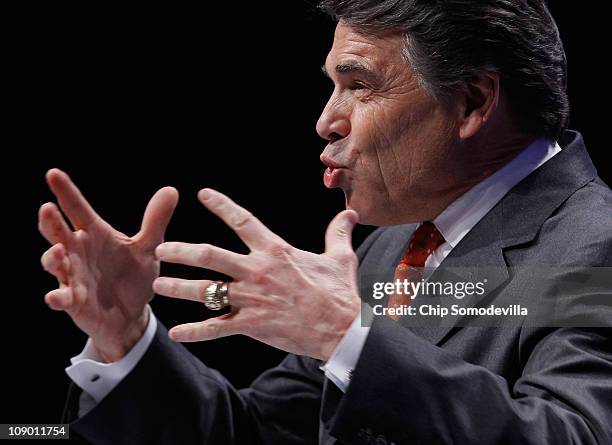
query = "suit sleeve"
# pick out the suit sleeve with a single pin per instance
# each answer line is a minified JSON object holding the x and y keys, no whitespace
{"x":171,"y":397}
{"x":411,"y":391}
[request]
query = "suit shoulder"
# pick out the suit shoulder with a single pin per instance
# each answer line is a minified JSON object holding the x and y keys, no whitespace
{"x":588,"y":209}
{"x":582,"y":226}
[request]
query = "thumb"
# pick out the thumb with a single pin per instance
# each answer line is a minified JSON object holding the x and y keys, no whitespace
{"x":157,"y":217}
{"x":338,"y":235}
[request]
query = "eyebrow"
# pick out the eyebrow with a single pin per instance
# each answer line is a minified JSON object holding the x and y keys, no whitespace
{"x":354,"y":67}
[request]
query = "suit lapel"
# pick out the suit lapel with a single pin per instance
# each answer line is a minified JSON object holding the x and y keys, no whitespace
{"x":478,"y":257}
{"x":379,"y":264}
{"x":514,"y":221}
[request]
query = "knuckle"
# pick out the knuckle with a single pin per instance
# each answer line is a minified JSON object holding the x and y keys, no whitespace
{"x":347,"y":257}
{"x":205,"y":253}
{"x":173,"y":286}
{"x":260,"y":274}
{"x":214,"y":329}
{"x":342,"y":232}
{"x":350,"y":257}
{"x":241,"y":219}
{"x":188,"y":334}
{"x":55,"y":230}
{"x":279,"y":249}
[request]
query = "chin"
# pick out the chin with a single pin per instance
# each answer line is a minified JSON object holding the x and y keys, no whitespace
{"x":369,"y":213}
{"x":373,"y":212}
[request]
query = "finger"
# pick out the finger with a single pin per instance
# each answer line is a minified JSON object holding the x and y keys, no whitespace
{"x":52,"y":225}
{"x":56,"y":262}
{"x":178,"y":288}
{"x":77,"y":209}
{"x":207,"y":330}
{"x":338,"y":235}
{"x":194,"y":290}
{"x":204,"y":255}
{"x":157,"y":216}
{"x":59,"y":299}
{"x":250,"y":230}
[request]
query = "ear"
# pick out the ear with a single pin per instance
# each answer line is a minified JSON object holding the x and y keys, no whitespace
{"x":478,"y":100}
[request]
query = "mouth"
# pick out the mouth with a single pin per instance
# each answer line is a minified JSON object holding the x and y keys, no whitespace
{"x":331,"y":176}
{"x":330,"y":163}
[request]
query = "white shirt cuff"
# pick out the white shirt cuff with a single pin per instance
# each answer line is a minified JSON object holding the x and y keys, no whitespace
{"x":339,"y":368}
{"x":97,"y":379}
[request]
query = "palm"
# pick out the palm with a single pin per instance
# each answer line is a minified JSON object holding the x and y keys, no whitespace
{"x":105,"y":277}
{"x":111,"y":276}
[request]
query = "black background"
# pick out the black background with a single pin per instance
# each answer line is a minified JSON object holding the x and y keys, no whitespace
{"x":129,"y":98}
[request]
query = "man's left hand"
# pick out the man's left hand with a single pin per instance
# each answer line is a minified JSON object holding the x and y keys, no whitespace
{"x":291,"y":299}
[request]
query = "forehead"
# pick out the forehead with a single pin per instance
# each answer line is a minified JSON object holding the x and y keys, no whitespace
{"x":372,"y":51}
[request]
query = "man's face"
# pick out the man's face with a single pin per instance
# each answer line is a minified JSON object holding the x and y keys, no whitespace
{"x":389,"y":141}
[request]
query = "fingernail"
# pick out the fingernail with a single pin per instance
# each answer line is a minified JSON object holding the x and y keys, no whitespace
{"x":205,"y":194}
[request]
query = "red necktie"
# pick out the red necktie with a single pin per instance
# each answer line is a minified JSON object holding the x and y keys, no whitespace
{"x":422,"y":243}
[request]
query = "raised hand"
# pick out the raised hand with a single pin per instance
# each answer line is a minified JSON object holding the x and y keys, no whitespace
{"x":295,"y":300}
{"x":104,"y":276}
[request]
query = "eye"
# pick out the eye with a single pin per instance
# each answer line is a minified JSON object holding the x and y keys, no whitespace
{"x":357,"y":85}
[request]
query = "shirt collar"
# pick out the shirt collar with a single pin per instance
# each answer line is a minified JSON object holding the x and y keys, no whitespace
{"x":465,"y":212}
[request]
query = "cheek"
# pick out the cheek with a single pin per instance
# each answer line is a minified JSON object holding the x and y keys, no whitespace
{"x":371,"y":131}
{"x":418,"y":137}
{"x":386,"y":142}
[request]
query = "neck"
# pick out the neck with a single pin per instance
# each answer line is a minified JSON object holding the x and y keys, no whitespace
{"x":472,"y":162}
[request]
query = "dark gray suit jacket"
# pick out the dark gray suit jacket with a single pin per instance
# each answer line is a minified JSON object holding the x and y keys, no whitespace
{"x":461,"y":385}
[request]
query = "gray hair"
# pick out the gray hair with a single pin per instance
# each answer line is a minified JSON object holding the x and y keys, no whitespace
{"x":450,"y":42}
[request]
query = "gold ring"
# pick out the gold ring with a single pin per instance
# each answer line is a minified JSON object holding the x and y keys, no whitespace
{"x":216,"y":295}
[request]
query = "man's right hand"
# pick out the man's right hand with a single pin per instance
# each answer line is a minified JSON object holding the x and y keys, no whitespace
{"x":105,"y":277}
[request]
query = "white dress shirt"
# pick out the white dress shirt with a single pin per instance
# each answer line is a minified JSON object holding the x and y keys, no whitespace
{"x":98,"y":379}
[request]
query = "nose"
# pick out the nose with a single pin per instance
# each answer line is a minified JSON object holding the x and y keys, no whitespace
{"x":333,"y":124}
